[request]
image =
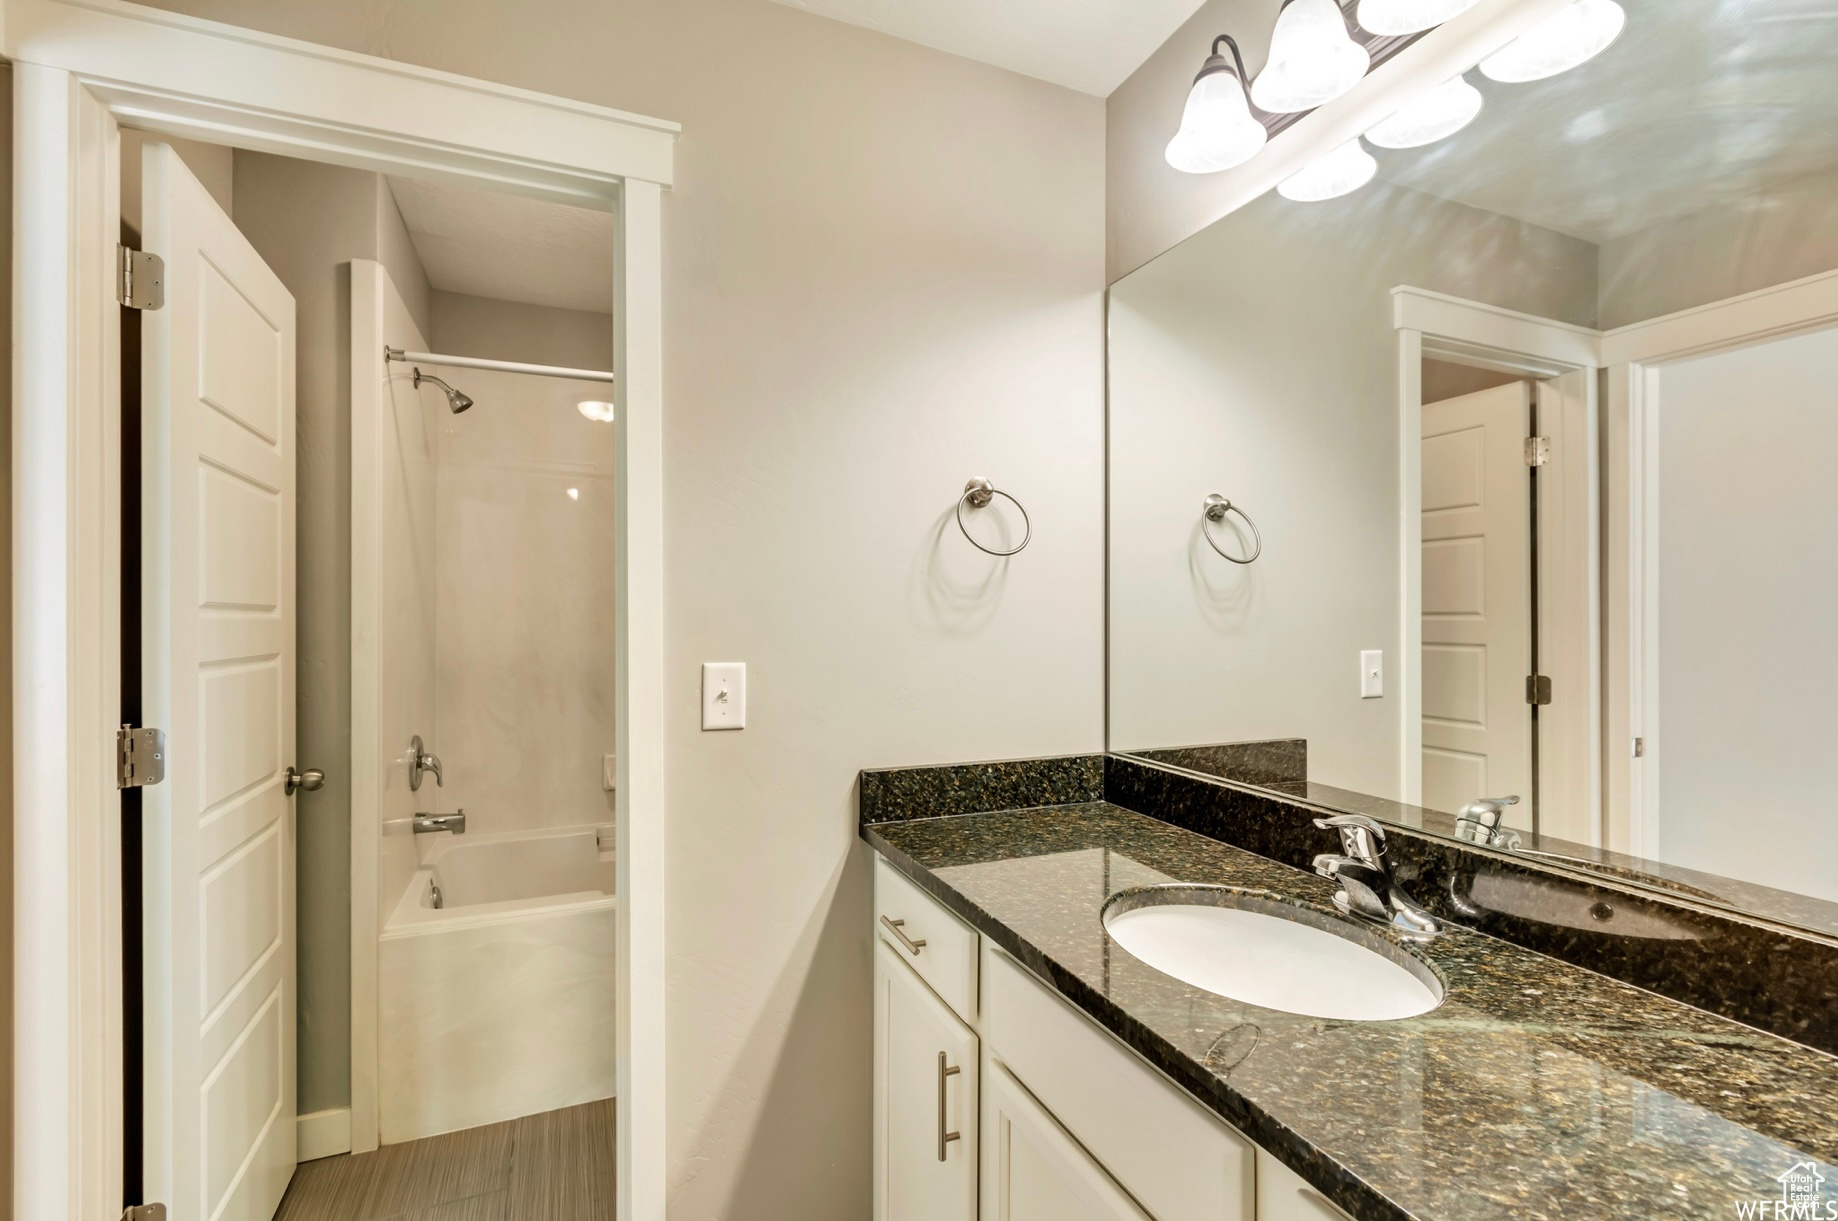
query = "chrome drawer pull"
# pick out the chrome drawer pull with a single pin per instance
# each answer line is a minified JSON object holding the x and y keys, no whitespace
{"x":944,"y":1137}
{"x":895,"y":927}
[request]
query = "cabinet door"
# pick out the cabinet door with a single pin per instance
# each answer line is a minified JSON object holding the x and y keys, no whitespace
{"x":925,"y":1092}
{"x":1034,"y":1171}
{"x":1283,"y":1195}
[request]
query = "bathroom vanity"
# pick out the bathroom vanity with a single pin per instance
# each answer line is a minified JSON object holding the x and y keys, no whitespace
{"x":1027,"y":1065}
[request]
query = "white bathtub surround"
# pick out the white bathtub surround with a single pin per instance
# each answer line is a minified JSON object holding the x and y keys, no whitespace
{"x":524,"y":634}
{"x":500,"y":1003}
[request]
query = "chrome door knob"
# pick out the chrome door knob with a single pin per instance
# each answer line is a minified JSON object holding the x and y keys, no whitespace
{"x":310,"y":780}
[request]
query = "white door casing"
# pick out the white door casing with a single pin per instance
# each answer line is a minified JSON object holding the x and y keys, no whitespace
{"x":925,"y":1088}
{"x":218,"y":639}
{"x":1476,"y":600}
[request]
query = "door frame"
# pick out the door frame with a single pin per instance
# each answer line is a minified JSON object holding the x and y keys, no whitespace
{"x":1489,"y":337}
{"x":79,"y":68}
{"x":1633,"y":356}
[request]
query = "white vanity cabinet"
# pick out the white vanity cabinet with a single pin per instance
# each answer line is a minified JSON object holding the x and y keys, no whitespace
{"x":992,"y":1090}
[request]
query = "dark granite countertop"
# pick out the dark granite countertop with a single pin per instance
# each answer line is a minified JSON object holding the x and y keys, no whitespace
{"x":1536,"y":1090}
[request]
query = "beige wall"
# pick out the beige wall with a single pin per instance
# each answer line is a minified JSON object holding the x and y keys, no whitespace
{"x":509,"y":330}
{"x":1150,"y":205}
{"x":308,"y":221}
{"x":883,"y":269}
{"x":1258,"y":360}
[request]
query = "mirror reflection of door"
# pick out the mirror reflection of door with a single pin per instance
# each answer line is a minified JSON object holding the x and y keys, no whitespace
{"x":1477,"y":596}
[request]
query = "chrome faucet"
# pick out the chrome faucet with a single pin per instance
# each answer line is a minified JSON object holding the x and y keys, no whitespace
{"x":454,"y":822}
{"x":1367,"y":889}
{"x":419,"y":761}
{"x":1479,"y":822}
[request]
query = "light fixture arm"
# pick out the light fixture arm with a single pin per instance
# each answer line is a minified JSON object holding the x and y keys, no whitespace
{"x":1237,"y":56}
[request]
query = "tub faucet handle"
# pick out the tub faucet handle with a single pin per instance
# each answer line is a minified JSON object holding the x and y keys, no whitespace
{"x":420,"y":761}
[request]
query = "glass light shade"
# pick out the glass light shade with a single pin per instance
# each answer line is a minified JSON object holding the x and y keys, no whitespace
{"x":1312,"y":59}
{"x":1217,"y":130}
{"x":1430,"y":116}
{"x":597,"y":410}
{"x":1559,"y":43}
{"x":1347,"y":168}
{"x":1408,"y":16}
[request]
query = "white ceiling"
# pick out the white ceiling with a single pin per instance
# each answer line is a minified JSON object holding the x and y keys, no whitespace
{"x":489,"y":244}
{"x":1088,"y":45}
{"x":1699,"y":104}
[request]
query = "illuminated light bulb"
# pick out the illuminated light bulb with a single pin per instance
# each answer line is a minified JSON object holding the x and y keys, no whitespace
{"x":1431,"y":116}
{"x":1217,"y":131}
{"x":1560,"y":42}
{"x":1312,"y":59}
{"x":1347,"y":168}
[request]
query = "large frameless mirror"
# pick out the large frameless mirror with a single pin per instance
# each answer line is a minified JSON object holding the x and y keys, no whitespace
{"x":1498,"y":468}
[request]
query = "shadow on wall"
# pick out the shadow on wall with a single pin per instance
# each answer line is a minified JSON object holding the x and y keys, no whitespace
{"x":956,"y":588}
{"x":792,"y":1166}
{"x":1224,"y":592}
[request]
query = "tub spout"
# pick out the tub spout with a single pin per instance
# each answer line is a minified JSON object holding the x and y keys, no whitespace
{"x":454,"y":822}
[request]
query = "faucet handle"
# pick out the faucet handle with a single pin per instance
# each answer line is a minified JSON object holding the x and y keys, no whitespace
{"x":1360,"y":837}
{"x":1487,"y":810}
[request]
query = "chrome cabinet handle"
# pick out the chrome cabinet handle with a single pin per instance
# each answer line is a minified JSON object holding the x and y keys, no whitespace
{"x":895,"y":927}
{"x":944,"y":1137}
{"x":308,"y":781}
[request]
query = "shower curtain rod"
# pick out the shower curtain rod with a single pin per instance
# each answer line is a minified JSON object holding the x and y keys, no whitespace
{"x":502,"y":366}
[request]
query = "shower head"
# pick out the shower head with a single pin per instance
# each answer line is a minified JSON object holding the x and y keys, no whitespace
{"x":459,"y":402}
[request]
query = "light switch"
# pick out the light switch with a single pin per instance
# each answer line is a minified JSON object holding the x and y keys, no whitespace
{"x":1371,"y":674}
{"x":609,"y":772}
{"x":724,"y":695}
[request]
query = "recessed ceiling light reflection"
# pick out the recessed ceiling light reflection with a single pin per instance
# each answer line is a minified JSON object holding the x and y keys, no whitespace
{"x":574,"y":493}
{"x":598,"y":410}
{"x":1347,"y":168}
{"x":1559,"y":43}
{"x":1431,"y":116}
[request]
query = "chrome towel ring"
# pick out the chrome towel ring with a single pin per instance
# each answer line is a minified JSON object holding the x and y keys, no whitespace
{"x":978,"y":493}
{"x":1213,"y":509}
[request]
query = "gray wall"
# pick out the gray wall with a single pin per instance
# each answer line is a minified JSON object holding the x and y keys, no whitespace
{"x":1258,"y":359}
{"x":509,"y":330}
{"x":883,"y":274}
{"x":308,"y":221}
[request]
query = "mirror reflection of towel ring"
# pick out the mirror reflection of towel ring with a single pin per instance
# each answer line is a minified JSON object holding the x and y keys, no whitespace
{"x":1213,"y":509}
{"x":978,"y":494}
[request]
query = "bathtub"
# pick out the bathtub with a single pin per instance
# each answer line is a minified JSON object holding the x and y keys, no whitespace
{"x":499,"y":1001}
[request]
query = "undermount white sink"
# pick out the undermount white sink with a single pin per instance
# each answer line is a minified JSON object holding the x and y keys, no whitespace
{"x":1251,"y":950}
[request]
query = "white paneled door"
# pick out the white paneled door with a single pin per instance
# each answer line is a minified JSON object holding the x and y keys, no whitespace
{"x":217,"y":546}
{"x":1477,"y":623}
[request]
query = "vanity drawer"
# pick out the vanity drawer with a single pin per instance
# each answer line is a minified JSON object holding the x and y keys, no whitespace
{"x":928,"y":938}
{"x":1169,"y":1152}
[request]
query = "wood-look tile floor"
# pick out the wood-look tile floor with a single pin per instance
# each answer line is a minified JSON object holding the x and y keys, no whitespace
{"x":557,"y":1166}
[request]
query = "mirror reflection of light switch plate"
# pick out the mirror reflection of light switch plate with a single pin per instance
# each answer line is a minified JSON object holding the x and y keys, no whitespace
{"x":1371,"y":674}
{"x":724,"y":695}
{"x":609,"y":772}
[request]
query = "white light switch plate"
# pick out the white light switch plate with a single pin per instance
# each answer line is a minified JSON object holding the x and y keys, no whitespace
{"x":724,"y":695}
{"x":1371,"y":674}
{"x":609,"y":772}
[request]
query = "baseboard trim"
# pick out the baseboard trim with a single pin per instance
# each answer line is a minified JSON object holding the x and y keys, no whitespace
{"x":322,"y":1134}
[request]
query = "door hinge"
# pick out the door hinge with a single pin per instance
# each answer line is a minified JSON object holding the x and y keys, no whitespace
{"x":142,"y":279}
{"x":1537,"y":689}
{"x":1537,"y":451}
{"x":144,"y":1212}
{"x":1640,"y":748}
{"x":140,"y":759}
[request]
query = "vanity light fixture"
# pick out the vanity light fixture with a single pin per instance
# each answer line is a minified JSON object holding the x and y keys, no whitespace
{"x":1430,"y":116}
{"x":1559,"y":43}
{"x":1347,"y":168}
{"x":1392,"y":17}
{"x":1313,"y":59}
{"x":597,"y":410}
{"x":1217,"y":131}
